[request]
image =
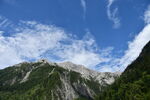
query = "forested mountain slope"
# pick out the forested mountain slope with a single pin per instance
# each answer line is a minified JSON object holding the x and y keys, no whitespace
{"x":134,"y":83}
{"x":43,"y":80}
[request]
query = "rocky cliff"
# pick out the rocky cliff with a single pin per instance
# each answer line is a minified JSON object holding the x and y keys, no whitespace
{"x":44,"y":80}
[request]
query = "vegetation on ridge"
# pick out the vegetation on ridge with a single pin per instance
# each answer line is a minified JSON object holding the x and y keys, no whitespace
{"x":134,"y":83}
{"x":45,"y":82}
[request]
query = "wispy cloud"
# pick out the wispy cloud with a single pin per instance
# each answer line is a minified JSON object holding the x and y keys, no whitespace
{"x":83,"y":4}
{"x":147,"y":15}
{"x":134,"y":48}
{"x":113,"y":14}
{"x":32,"y":41}
{"x":4,"y":22}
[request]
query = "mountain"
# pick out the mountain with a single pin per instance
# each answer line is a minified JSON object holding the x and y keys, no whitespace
{"x":134,"y":83}
{"x":44,"y":80}
{"x":102,"y":78}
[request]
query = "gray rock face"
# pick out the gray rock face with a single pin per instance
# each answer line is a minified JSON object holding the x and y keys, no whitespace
{"x":101,"y":77}
{"x":74,"y":80}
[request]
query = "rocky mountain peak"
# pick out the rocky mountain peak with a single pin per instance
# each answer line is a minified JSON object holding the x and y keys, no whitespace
{"x":65,"y":81}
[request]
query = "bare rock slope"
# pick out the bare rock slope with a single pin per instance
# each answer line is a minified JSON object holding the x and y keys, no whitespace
{"x":44,"y":80}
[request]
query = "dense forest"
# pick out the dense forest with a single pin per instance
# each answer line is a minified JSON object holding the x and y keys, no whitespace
{"x":134,"y":83}
{"x":46,"y":82}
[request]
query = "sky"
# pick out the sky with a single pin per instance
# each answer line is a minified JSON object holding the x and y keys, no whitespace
{"x":103,"y":35}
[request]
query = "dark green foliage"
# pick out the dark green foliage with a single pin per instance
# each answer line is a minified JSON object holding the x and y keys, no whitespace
{"x":81,"y":98}
{"x":93,"y":85}
{"x":38,"y":86}
{"x":74,"y":77}
{"x":134,"y":83}
{"x":42,"y":82}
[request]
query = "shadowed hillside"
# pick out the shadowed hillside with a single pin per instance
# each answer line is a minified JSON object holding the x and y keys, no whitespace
{"x":134,"y":83}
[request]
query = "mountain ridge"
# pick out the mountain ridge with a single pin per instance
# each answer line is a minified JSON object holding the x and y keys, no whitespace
{"x":44,"y":80}
{"x":134,"y":82}
{"x":84,"y":71}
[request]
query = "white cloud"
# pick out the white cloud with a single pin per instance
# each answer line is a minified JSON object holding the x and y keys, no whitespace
{"x":147,"y":15}
{"x":77,"y":53}
{"x":4,"y":22}
{"x":1,"y":32}
{"x":83,"y":4}
{"x":106,"y":68}
{"x":113,"y":14}
{"x":134,"y":48}
{"x":32,"y":41}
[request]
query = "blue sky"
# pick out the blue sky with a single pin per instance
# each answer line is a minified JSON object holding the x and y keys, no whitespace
{"x":104,"y":35}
